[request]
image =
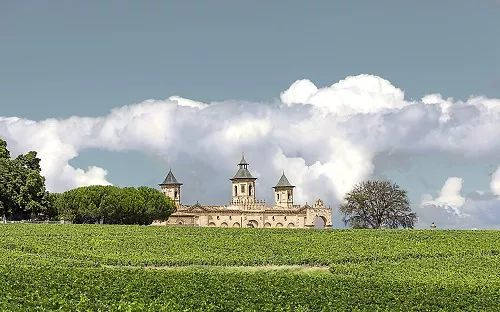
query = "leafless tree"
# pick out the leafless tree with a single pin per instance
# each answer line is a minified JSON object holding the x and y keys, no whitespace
{"x":377,"y":204}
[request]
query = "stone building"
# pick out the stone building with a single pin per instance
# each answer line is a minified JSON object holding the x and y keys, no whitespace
{"x":244,"y":210}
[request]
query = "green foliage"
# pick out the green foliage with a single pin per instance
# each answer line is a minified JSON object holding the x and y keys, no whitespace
{"x":136,"y":268}
{"x":51,"y":212}
{"x":376,"y":204}
{"x":113,"y":205}
{"x":4,"y":152}
{"x":22,"y":187}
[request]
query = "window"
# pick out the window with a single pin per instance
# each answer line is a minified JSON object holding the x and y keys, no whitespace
{"x":250,"y":189}
{"x":235,"y":190}
{"x":289,"y":195}
{"x":278,"y":196}
{"x":175,"y":194}
{"x":243,"y":188}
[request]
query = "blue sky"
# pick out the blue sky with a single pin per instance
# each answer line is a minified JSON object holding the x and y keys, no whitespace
{"x":63,"y":59}
{"x":85,"y":57}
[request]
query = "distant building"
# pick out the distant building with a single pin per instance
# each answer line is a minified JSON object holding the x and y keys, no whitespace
{"x":244,"y":210}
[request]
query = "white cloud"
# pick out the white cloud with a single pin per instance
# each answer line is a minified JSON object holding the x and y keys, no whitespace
{"x":187,"y":102}
{"x":324,"y":138}
{"x":246,"y":130}
{"x":450,"y":194}
{"x":495,"y":182}
{"x":449,"y":199}
{"x":299,"y":92}
{"x":355,"y":94}
{"x":451,"y":209}
{"x":92,"y":176}
{"x":445,"y":105}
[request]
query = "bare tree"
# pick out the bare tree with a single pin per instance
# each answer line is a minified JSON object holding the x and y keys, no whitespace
{"x":376,"y":204}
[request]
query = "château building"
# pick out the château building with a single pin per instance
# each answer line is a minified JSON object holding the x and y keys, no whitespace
{"x":244,"y":209}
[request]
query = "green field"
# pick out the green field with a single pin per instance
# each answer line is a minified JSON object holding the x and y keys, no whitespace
{"x":138,"y":268}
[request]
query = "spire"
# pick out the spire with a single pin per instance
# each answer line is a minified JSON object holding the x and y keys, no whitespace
{"x":243,"y":162}
{"x":283,"y":182}
{"x":170,"y":179}
{"x":243,"y":172}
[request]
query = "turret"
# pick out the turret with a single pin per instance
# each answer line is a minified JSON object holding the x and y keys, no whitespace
{"x":283,"y":193}
{"x":171,"y":188}
{"x":243,"y":184}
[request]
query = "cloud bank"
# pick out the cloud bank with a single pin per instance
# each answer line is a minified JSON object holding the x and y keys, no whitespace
{"x":324,"y":138}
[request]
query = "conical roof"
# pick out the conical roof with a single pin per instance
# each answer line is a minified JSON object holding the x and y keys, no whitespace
{"x":170,"y":179}
{"x":243,"y":173}
{"x":243,"y":161}
{"x":283,"y":182}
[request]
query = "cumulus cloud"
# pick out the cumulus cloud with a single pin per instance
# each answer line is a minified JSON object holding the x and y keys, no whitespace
{"x":452,"y":210}
{"x":446,"y":208}
{"x":355,"y":94}
{"x":325,"y":138}
{"x":450,"y":194}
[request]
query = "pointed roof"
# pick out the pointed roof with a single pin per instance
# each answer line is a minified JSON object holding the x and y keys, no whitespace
{"x":283,"y":182}
{"x":243,"y":161}
{"x":243,"y":172}
{"x":170,"y":179}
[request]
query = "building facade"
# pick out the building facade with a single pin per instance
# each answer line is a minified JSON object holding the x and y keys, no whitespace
{"x":244,"y":210}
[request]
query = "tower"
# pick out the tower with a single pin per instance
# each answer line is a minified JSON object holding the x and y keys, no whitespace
{"x":283,"y":193}
{"x":243,"y":184}
{"x":171,"y":188}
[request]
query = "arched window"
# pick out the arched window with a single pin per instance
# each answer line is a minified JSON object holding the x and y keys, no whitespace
{"x":243,"y":188}
{"x":235,"y":190}
{"x":175,"y":194}
{"x":250,"y":189}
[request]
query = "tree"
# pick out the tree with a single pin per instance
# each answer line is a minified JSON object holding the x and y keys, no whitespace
{"x":376,"y":204}
{"x":22,"y":187}
{"x":113,"y":205}
{"x":4,"y":152}
{"x":51,"y":211}
{"x":157,"y":205}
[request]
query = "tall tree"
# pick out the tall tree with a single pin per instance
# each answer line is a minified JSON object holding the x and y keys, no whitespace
{"x":376,"y":204}
{"x":22,"y":187}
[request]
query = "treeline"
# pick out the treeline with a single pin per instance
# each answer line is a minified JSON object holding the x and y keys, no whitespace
{"x":113,"y":205}
{"x":23,"y":197}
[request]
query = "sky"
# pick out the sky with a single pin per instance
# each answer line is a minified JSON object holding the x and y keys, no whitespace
{"x":332,"y":92}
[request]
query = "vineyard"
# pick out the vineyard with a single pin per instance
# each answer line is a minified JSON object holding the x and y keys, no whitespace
{"x":144,"y":268}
